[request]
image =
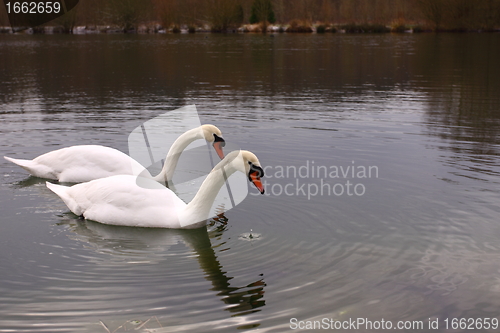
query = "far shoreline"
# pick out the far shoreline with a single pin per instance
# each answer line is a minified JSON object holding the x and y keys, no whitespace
{"x":294,"y":28}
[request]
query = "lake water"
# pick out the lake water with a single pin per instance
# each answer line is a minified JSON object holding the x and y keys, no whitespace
{"x":410,"y":237}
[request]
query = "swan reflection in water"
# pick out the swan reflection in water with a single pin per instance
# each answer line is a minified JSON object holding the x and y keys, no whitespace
{"x":150,"y":244}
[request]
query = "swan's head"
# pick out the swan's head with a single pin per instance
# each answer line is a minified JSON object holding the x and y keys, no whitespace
{"x":245,"y":162}
{"x":253,"y":169}
{"x":214,"y":135}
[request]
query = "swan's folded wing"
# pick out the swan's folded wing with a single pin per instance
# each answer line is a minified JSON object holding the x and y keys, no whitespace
{"x":119,"y":200}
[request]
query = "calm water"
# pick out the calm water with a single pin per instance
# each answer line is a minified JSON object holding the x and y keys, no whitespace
{"x":412,"y":234}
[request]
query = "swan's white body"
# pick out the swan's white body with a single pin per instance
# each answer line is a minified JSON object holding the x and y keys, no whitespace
{"x":83,"y":163}
{"x":78,"y":164}
{"x":119,"y":200}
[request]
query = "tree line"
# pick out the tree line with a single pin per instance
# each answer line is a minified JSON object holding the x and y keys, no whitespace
{"x":224,"y":15}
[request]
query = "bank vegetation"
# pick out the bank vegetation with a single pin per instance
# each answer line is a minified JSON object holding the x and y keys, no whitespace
{"x":276,"y":15}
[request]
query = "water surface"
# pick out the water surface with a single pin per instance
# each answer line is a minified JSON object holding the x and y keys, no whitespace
{"x":416,"y":238}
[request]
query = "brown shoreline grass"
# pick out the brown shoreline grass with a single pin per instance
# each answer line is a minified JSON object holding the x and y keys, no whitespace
{"x":360,"y":16}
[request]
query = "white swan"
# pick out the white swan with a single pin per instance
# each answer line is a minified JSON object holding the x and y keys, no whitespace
{"x":118,"y":200}
{"x":83,"y":163}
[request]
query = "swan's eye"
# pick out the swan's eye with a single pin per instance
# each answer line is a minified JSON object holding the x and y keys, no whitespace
{"x":256,"y":169}
{"x":219,"y":139}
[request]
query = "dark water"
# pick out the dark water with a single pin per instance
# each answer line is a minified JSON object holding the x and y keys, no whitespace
{"x":411,"y":235}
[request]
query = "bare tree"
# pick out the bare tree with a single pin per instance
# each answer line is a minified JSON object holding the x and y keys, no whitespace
{"x":224,"y":14}
{"x":128,"y":13}
{"x":433,"y":11}
{"x":262,"y":11}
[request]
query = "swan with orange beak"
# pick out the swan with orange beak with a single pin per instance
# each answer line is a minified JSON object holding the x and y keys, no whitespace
{"x":120,"y":200}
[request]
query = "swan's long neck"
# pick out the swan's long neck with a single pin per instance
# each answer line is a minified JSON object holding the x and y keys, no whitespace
{"x":174,"y":154}
{"x":198,"y":210}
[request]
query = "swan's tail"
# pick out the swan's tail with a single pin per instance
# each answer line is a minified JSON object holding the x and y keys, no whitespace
{"x":62,"y":192}
{"x":57,"y":189}
{"x":25,"y":164}
{"x":34,"y":167}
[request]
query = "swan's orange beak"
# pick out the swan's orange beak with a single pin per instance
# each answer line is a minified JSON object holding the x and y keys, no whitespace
{"x":218,"y":148}
{"x":254,"y":177}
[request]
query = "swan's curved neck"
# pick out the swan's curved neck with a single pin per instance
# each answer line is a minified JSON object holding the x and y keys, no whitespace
{"x":198,"y":210}
{"x":175,"y":152}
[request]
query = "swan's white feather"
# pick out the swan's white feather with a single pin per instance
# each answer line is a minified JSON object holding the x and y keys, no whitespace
{"x":119,"y":200}
{"x":83,"y":163}
{"x":80,"y":163}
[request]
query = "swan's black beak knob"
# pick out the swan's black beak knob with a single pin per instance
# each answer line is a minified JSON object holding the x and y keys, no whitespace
{"x":254,"y":176}
{"x":218,"y":144}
